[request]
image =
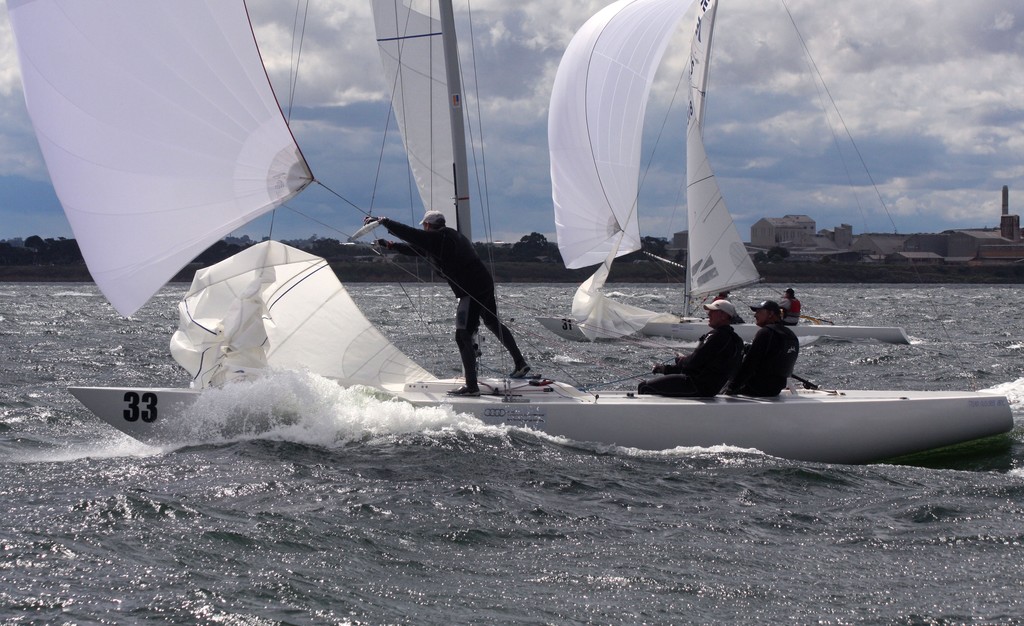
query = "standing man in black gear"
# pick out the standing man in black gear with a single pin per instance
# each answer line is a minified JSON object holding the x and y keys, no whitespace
{"x":770,"y":358}
{"x":703,"y":372}
{"x":453,"y":256}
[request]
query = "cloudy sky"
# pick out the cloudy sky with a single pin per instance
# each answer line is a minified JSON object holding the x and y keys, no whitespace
{"x":931,"y":91}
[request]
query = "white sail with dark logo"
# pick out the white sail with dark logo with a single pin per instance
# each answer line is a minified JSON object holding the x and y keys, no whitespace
{"x":717,"y":260}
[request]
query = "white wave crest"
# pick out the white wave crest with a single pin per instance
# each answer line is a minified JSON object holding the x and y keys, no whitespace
{"x":1013,"y":390}
{"x":306,"y":408}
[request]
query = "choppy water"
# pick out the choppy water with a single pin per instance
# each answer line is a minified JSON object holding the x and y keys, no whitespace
{"x":362,"y":511}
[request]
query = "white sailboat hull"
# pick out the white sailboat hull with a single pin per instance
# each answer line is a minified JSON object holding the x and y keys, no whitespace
{"x":567,"y":328}
{"x":564,"y":327}
{"x":692,"y":331}
{"x":822,"y":426}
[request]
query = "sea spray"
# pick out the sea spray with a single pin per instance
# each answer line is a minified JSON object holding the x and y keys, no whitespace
{"x":303,"y":407}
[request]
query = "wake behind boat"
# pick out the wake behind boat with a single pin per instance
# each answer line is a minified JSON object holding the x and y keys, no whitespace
{"x":143,"y":205}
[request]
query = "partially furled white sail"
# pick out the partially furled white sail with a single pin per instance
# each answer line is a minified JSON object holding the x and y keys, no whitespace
{"x":273,"y":305}
{"x":599,"y":317}
{"x":409,"y":37}
{"x":717,"y":260}
{"x":159,"y":128}
{"x":595,"y":125}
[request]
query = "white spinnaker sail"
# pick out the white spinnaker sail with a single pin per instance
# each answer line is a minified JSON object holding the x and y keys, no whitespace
{"x":412,"y":51}
{"x":273,"y":305}
{"x":159,"y":128}
{"x":717,"y":260}
{"x":599,"y":317}
{"x":595,"y":125}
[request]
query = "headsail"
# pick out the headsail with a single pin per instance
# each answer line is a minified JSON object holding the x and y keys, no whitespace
{"x":717,"y":260}
{"x":159,"y":128}
{"x":273,"y":305}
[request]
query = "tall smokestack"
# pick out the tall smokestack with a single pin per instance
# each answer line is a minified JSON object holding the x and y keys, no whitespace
{"x":1009,"y":225}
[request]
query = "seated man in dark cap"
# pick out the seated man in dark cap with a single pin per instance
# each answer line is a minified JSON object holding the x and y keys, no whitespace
{"x":770,"y":358}
{"x":704,"y":372}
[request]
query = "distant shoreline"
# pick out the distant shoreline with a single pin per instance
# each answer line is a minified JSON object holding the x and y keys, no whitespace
{"x":520,"y":272}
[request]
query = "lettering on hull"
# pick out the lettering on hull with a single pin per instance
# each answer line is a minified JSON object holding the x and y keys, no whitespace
{"x":518,"y":415}
{"x":997,"y":401}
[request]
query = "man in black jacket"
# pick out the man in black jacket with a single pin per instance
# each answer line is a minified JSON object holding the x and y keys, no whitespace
{"x":770,"y":358}
{"x":453,"y":256}
{"x":703,"y":372}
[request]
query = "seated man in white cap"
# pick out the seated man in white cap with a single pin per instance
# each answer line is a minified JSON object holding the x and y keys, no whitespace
{"x":707,"y":369}
{"x":453,"y":256}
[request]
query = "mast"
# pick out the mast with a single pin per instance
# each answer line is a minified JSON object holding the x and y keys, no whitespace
{"x":697,"y":117}
{"x":460,"y":166}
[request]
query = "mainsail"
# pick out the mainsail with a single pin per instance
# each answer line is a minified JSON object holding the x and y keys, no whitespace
{"x":159,"y":128}
{"x":426,"y":101}
{"x":717,"y":260}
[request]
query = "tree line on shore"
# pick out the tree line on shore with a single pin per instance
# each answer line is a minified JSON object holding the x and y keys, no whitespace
{"x":532,"y":259}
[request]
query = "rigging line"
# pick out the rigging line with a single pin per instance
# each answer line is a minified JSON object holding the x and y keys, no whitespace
{"x":839,"y":114}
{"x":483,"y":190}
{"x":839,"y":151}
{"x":403,"y":31}
{"x":856,"y":148}
{"x":390,"y":114}
{"x":401,"y":123}
{"x":344,"y":199}
{"x":296,"y":54}
{"x":835,"y":136}
{"x":654,"y":149}
{"x":380,"y":159}
{"x":607,"y":383}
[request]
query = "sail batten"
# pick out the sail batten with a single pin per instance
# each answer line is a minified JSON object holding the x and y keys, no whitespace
{"x":159,"y":128}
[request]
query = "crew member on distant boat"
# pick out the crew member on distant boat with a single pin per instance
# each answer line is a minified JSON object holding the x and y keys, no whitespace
{"x":707,"y":369}
{"x":770,"y":358}
{"x":790,"y":308}
{"x":453,"y":256}
{"x":724,"y":295}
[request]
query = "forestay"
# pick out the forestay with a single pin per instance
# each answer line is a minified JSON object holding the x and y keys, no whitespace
{"x":273,"y":305}
{"x":156,"y":151}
